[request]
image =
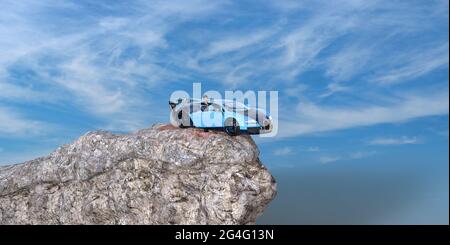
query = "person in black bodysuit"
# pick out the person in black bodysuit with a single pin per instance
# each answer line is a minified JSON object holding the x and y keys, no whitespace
{"x":205,"y":107}
{"x":205,"y":104}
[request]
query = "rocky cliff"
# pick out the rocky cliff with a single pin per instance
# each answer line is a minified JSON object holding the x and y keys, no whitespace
{"x":160,"y":175}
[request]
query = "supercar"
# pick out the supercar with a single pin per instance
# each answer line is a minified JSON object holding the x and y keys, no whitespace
{"x":231,"y":116}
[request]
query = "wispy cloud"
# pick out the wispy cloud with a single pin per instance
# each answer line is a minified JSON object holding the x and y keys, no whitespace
{"x":361,"y":154}
{"x":351,"y":156}
{"x":301,"y":47}
{"x":100,"y":64}
{"x":404,"y":140}
{"x":295,"y":91}
{"x":234,"y":43}
{"x":283,"y":151}
{"x":349,"y":61}
{"x":333,"y":88}
{"x":415,"y":64}
{"x":440,"y":132}
{"x":443,"y":132}
{"x":313,"y":149}
{"x":10,"y":91}
{"x":328,"y":159}
{"x":311,"y":118}
{"x":13,"y":123}
{"x":114,"y":64}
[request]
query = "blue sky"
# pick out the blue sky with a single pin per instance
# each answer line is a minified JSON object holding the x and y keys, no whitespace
{"x":361,"y":83}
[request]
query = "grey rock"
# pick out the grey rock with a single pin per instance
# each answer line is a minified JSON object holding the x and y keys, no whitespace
{"x":159,"y":175}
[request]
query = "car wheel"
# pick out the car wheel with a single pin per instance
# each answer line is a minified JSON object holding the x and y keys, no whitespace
{"x":232,"y":127}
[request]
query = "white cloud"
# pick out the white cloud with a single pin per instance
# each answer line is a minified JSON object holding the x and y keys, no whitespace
{"x":296,"y":91}
{"x":101,"y":64}
{"x":313,"y":149}
{"x":234,"y":43}
{"x":301,"y":46}
{"x":227,"y":57}
{"x":328,"y":159}
{"x":288,"y":5}
{"x":351,"y":156}
{"x":361,"y":154}
{"x":13,"y":123}
{"x":333,"y":88}
{"x":85,"y":80}
{"x":415,"y":64}
{"x":113,"y":23}
{"x":283,"y":151}
{"x":85,"y":61}
{"x":348,"y":62}
{"x":286,"y":50}
{"x":15,"y":92}
{"x":312,"y":118}
{"x":404,"y":140}
{"x":443,"y":132}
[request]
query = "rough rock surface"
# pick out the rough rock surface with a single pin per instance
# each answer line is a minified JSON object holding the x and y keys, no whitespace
{"x":159,"y":175}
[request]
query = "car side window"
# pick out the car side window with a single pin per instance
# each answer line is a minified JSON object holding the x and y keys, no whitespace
{"x":216,"y":108}
{"x":228,"y":107}
{"x":195,"y":107}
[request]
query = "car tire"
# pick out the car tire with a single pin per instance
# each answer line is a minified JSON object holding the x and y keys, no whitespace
{"x":232,"y":127}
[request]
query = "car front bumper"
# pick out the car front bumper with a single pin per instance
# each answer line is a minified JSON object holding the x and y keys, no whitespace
{"x":267,"y":128}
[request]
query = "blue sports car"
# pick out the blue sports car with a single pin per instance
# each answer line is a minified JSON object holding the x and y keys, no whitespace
{"x":231,"y":116}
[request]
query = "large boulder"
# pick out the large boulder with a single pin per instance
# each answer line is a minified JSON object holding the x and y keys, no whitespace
{"x":159,"y":175}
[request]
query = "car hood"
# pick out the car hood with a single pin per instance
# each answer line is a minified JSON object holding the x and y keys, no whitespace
{"x":257,"y":114}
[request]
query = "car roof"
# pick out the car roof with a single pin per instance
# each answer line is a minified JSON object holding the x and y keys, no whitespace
{"x":220,"y":102}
